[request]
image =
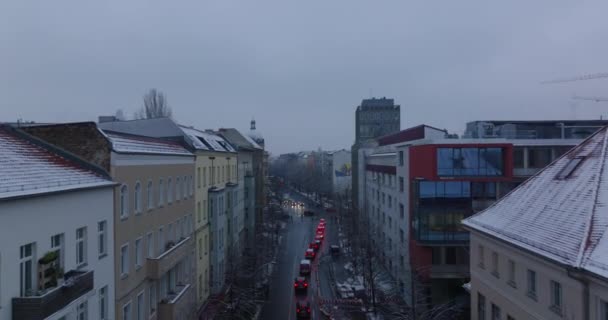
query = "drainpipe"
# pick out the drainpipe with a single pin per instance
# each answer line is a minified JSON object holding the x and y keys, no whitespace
{"x":578,"y":276}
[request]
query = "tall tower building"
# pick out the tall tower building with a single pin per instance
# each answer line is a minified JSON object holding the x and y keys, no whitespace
{"x":373,"y":118}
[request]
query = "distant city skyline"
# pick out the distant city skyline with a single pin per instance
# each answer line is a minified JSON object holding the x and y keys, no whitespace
{"x":302,"y":69}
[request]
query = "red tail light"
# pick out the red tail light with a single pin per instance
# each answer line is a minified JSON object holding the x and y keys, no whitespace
{"x":298,"y":310}
{"x":306,"y":284}
{"x":295,"y":285}
{"x":308,"y":310}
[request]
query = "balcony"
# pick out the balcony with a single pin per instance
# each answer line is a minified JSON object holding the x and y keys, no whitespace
{"x":38,"y":307}
{"x":167,"y":260}
{"x":175,"y":304}
{"x":449,"y":271}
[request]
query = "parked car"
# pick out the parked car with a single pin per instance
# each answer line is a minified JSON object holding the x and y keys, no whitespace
{"x":334,"y":249}
{"x":305,"y":267}
{"x":300,"y":284}
{"x":314,"y":245}
{"x":309,"y":254}
{"x":303,"y":309}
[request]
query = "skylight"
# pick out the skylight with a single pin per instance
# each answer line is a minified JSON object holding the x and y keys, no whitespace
{"x":569,"y":168}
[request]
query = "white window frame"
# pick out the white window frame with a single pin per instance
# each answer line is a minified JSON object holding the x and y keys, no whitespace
{"x":178,"y":188}
{"x":23,"y":259}
{"x":137,"y":198}
{"x":127,"y":315}
{"x":170,"y":190}
{"x":124,"y":201}
{"x":186,"y":187}
{"x":102,"y":239}
{"x":81,"y":240}
{"x":557,"y":299}
{"x":82,"y":311}
{"x":124,"y":260}
{"x":140,"y":306}
{"x":150,"y":243}
{"x":138,"y":253}
{"x":150,"y":193}
{"x":161,"y":193}
{"x":102,"y":294}
{"x":152,"y":302}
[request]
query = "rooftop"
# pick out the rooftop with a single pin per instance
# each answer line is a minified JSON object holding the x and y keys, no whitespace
{"x":559,"y":213}
{"x":128,"y":143}
{"x":29,"y":167}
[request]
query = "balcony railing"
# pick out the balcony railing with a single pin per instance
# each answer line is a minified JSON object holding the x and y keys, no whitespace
{"x":449,"y":271}
{"x":167,"y":260}
{"x":38,"y":307}
{"x":175,"y":303}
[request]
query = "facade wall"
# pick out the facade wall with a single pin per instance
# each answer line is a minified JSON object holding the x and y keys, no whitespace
{"x":341,"y":172}
{"x":154,"y":226}
{"x":512,"y":297}
{"x":35,"y":220}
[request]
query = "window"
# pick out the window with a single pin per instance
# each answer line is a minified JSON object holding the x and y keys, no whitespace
{"x":401,"y":158}
{"x":169,"y":191}
{"x":200,"y":249}
{"x":470,"y":161}
{"x":495,"y":312}
{"x":603,"y":310}
{"x":178,"y":189}
{"x":205,"y":210}
{"x":569,"y":168}
{"x":200,"y":285}
{"x":81,"y":246}
{"x":124,"y":202}
{"x":186,"y":187}
{"x":401,"y":235}
{"x":26,"y":269}
{"x":198,"y":177}
{"x":495,"y":264}
{"x":518,"y":157}
{"x":150,"y":195}
{"x":102,"y":236}
{"x":512,"y":273}
{"x":81,"y":311}
{"x":481,"y":257}
{"x":170,"y":233}
{"x":126,"y":311}
{"x":390,"y":201}
{"x":161,"y":241}
{"x":150,"y":243}
{"x":539,"y":157}
{"x":152,"y":298}
{"x":138,"y":253}
{"x":205,"y":176}
{"x":140,"y":306}
{"x":161,"y":193}
{"x":401,"y":184}
{"x":481,"y":306}
{"x":401,"y":211}
{"x":531,"y":275}
{"x":138,"y":197}
{"x":103,"y":303}
{"x":124,"y":260}
{"x":57,"y":245}
{"x":205,"y":244}
{"x":556,"y":297}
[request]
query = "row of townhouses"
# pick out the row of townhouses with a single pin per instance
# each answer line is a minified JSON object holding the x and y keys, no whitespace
{"x":414,"y":187}
{"x":124,"y":219}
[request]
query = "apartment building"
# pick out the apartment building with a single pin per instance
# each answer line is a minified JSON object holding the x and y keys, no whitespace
{"x":153,"y":216}
{"x":215,"y":166}
{"x":56,"y":227}
{"x":540,"y":252}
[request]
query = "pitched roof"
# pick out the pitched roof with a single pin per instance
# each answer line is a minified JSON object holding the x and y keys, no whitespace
{"x":238,"y":139}
{"x":28,"y":168}
{"x":127,"y":143}
{"x":409,"y":134}
{"x":207,"y":141}
{"x":559,"y":213}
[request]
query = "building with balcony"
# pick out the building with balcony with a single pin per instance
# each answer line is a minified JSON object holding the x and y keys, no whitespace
{"x":153,"y":219}
{"x":56,"y":244}
{"x":541,"y":251}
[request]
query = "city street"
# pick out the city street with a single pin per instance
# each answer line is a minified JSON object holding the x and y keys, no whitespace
{"x":297,"y":234}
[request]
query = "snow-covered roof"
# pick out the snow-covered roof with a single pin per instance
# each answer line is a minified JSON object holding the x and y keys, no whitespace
{"x":28,"y":169}
{"x":126,"y":143}
{"x":559,"y":213}
{"x":207,"y":141}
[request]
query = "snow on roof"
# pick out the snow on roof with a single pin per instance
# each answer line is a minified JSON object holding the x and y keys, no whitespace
{"x":207,"y":141}
{"x":559,"y":213}
{"x":28,"y":169}
{"x":253,"y":143}
{"x":126,"y":143}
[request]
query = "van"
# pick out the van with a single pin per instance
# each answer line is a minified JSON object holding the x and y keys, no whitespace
{"x":304,"y":267}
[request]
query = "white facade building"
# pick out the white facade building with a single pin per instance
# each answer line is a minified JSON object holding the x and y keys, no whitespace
{"x":56,"y":234}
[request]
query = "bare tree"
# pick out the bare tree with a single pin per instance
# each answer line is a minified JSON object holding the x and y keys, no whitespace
{"x":120,"y":115}
{"x":155,"y":106}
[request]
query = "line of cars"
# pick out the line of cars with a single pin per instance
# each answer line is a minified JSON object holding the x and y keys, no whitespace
{"x":301,"y":283}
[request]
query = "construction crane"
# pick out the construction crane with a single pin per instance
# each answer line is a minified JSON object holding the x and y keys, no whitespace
{"x":580,"y":78}
{"x":595,"y":99}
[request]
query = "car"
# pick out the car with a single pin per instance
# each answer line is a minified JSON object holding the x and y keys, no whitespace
{"x":321,"y":227}
{"x":303,"y":309}
{"x":313,"y":245}
{"x":305,"y":267}
{"x":334,"y":249}
{"x":322,"y":220}
{"x":300,"y":284}
{"x":319,"y":237}
{"x":310,"y":254}
{"x":320,"y":232}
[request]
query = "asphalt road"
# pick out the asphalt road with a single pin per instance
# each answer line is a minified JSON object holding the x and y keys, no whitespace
{"x":296,"y":237}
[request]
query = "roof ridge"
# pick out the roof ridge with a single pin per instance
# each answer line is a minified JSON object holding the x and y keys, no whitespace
{"x":589,"y":224}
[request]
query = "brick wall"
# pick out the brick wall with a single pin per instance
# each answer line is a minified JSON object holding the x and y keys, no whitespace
{"x":82,"y":139}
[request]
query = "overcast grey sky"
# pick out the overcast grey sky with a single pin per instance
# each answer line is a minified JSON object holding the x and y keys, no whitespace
{"x":301,"y":67}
